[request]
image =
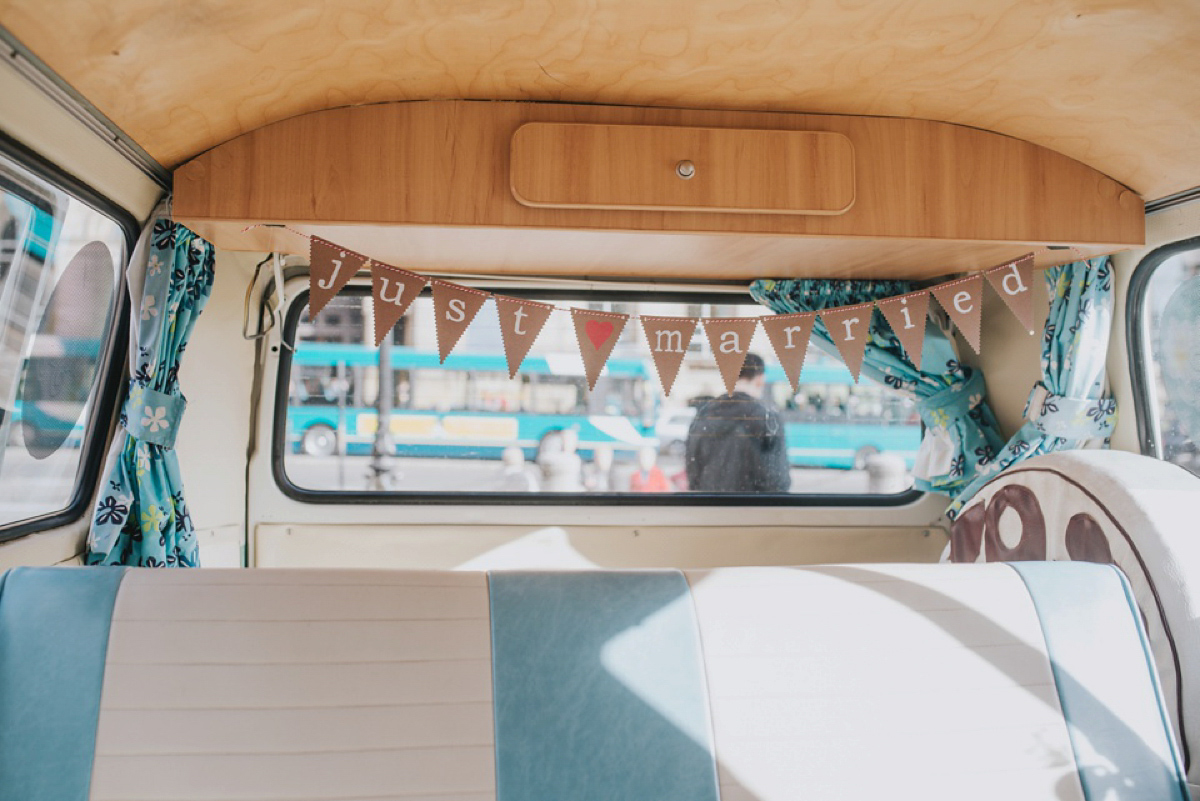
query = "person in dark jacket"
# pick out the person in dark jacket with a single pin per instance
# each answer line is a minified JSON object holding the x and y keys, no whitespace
{"x":736,"y":442}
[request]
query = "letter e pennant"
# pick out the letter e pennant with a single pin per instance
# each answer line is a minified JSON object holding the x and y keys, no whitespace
{"x":520,"y":323}
{"x":963,"y":301}
{"x":454,"y":307}
{"x":668,"y":338}
{"x":329,"y":269}
{"x":789,"y":335}
{"x":392,"y":291}
{"x":1013,"y":282}
{"x":906,"y":315}
{"x":849,"y":327}
{"x":729,"y":338}
{"x":597,"y":332}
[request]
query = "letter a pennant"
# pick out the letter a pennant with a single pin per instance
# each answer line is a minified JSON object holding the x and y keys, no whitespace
{"x":520,"y":323}
{"x":329,"y":269}
{"x":392,"y":291}
{"x":963,"y":301}
{"x":597,"y":332}
{"x":849,"y":328}
{"x":729,"y":338}
{"x":668,"y":338}
{"x":789,"y":335}
{"x":906,"y":315}
{"x":454,"y":307}
{"x":1013,"y":282}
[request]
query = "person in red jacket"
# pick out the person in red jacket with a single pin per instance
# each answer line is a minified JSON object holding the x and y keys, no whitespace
{"x":649,"y":477}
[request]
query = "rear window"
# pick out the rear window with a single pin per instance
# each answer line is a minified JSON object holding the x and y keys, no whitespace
{"x":60,"y":278}
{"x":466,"y":428}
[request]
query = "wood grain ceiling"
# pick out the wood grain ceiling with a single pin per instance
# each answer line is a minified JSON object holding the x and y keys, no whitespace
{"x":1112,"y":83}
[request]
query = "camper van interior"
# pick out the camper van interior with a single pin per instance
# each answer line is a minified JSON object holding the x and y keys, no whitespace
{"x":599,"y":400}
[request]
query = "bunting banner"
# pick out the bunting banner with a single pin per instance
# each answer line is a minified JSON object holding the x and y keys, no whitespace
{"x":963,"y":301}
{"x":789,"y":335}
{"x":454,"y":307}
{"x":848,"y":328}
{"x":668,"y":338}
{"x":729,"y":338}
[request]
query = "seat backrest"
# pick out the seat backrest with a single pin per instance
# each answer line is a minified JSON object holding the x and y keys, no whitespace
{"x":741,"y":684}
{"x":1108,"y":507}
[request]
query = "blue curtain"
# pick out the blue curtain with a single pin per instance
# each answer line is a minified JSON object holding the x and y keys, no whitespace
{"x":961,"y":434}
{"x":142,"y":518}
{"x":1069,"y":407}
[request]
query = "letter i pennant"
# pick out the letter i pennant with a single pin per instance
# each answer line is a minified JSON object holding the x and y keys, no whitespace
{"x":849,"y":328}
{"x":392,"y":291}
{"x":454,"y":307}
{"x":329,"y":269}
{"x":789,"y":335}
{"x":520,"y":323}
{"x":906,"y":315}
{"x":963,"y":301}
{"x":668,"y":339}
{"x":729,"y":338}
{"x":597,"y":332}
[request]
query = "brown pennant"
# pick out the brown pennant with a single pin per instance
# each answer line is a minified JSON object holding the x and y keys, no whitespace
{"x":849,"y":328}
{"x":520,"y":323}
{"x":729,"y":338}
{"x":454,"y":307}
{"x":392,"y":291}
{"x":1013,"y":282}
{"x":963,"y":301}
{"x":329,"y":269}
{"x":597,"y":333}
{"x":789,"y":334}
{"x":906,"y":315}
{"x":668,"y":338}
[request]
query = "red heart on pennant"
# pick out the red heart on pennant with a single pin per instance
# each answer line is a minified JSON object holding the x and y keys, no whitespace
{"x":598,"y":332}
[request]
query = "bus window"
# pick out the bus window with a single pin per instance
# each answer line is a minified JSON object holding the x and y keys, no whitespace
{"x":466,"y":427}
{"x":1170,"y":356}
{"x":60,"y":264}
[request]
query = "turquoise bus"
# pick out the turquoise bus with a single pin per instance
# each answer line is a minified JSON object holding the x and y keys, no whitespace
{"x":469,"y":408}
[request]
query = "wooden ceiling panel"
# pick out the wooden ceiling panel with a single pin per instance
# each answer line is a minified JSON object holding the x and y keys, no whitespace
{"x":1111,"y":83}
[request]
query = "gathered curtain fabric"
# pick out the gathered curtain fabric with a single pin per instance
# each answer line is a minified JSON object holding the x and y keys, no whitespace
{"x":141,"y":518}
{"x":961,"y":434}
{"x":1069,"y":408}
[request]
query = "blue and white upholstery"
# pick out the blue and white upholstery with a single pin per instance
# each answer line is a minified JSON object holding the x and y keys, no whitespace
{"x":1029,"y":681}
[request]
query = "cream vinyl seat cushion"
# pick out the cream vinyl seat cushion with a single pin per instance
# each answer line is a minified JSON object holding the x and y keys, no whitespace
{"x":740,"y":684}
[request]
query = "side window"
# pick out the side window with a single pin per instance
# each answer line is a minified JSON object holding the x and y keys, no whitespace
{"x":465,"y":427}
{"x":1168,"y":345}
{"x":60,"y":270}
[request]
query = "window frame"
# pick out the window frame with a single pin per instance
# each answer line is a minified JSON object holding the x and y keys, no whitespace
{"x":111,"y":370}
{"x":400,"y":498}
{"x":1138,"y":342}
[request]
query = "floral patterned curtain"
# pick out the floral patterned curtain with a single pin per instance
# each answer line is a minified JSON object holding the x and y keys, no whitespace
{"x":961,"y":435}
{"x":141,"y":518}
{"x":1069,"y":408}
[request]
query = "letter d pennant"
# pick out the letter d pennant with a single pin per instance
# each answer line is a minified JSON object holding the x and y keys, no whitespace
{"x":849,"y":327}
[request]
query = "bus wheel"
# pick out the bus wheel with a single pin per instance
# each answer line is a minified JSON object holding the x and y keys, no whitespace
{"x":319,"y":440}
{"x":862,"y":454}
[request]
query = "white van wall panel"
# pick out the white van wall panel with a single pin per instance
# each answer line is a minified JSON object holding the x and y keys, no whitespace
{"x":965,"y":682}
{"x":380,"y":676}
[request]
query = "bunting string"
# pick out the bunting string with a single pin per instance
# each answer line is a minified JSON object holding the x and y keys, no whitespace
{"x":393,"y":289}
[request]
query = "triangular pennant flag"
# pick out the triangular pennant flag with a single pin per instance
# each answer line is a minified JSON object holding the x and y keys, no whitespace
{"x":906,"y":315}
{"x":329,"y":269}
{"x":668,"y":338}
{"x":520,"y":323}
{"x":789,"y":335}
{"x":392,"y":291}
{"x":963,"y":301}
{"x":729,"y":338}
{"x":849,"y":327}
{"x":597,"y":332}
{"x":454,"y":307}
{"x":1014,"y":283}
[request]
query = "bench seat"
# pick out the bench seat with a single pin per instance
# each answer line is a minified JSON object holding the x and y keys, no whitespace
{"x":1022,"y":681}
